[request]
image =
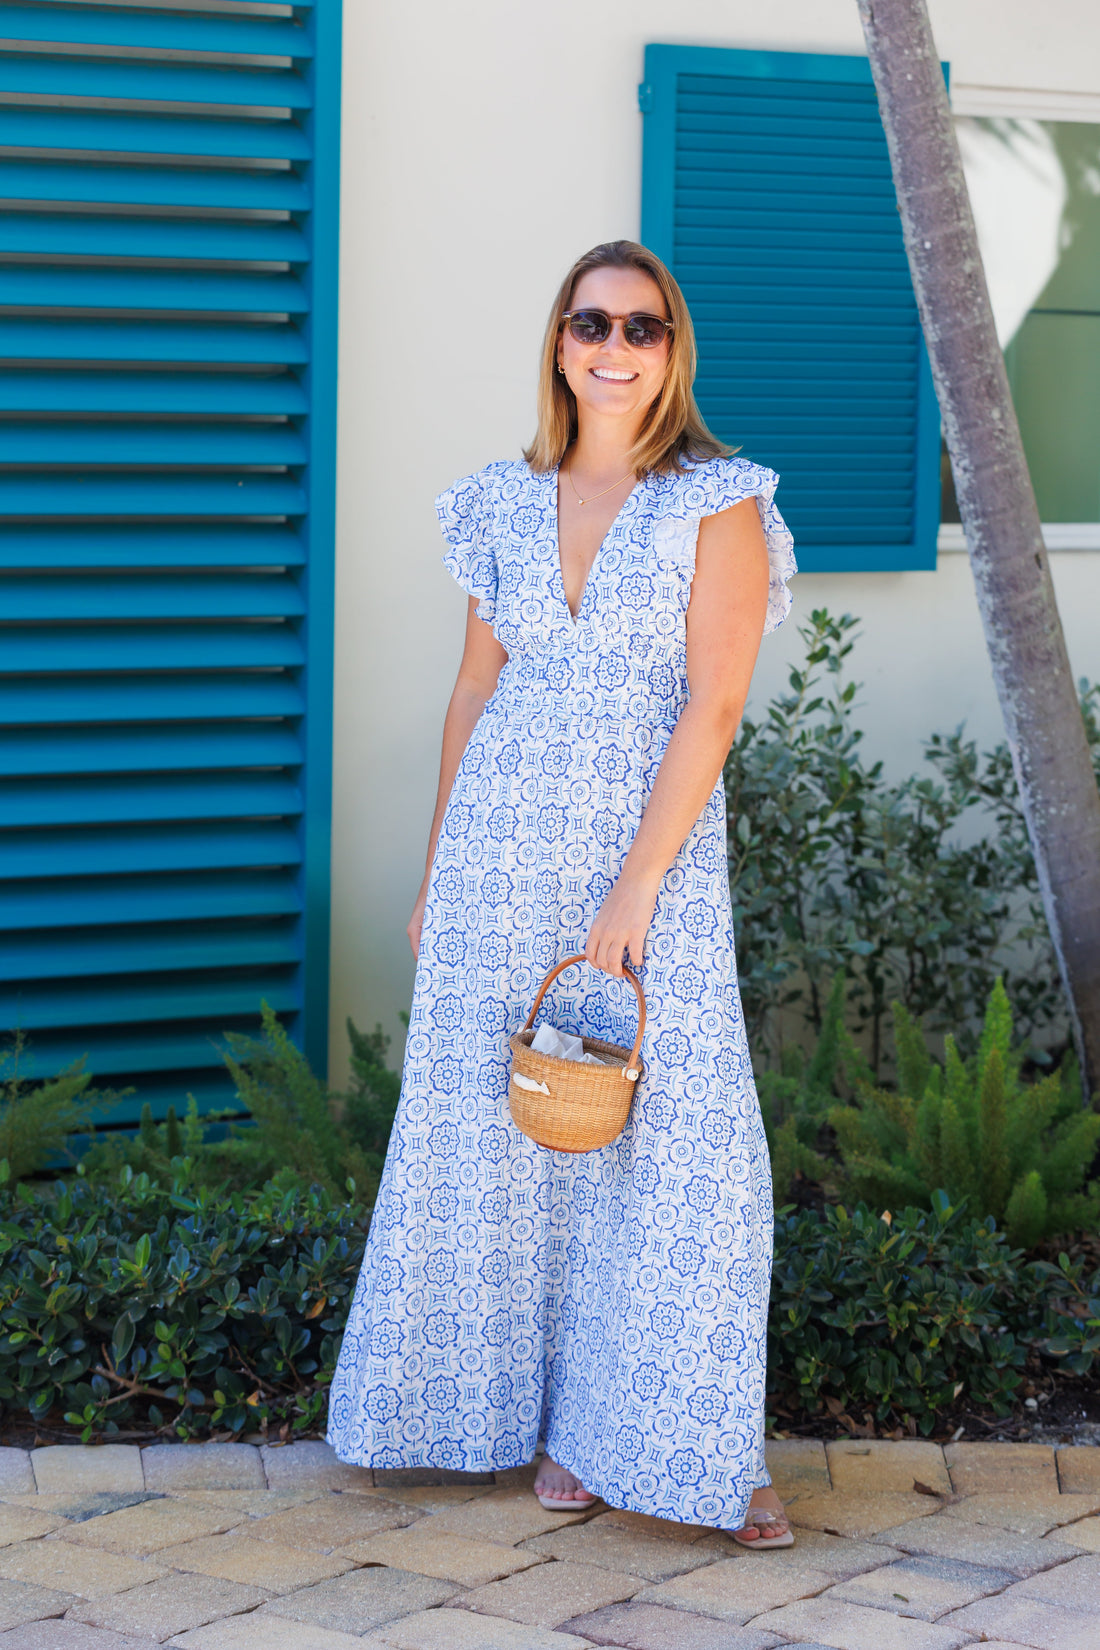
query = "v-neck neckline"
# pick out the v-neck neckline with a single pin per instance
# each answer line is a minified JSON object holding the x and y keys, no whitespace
{"x":575,"y":618}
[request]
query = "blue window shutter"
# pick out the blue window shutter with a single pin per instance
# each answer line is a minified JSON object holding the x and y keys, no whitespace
{"x":767,"y":190}
{"x":167,"y":427}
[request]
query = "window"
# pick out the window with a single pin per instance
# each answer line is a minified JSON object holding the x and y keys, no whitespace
{"x":767,"y":189}
{"x":1035,"y":189}
{"x":166,"y":561}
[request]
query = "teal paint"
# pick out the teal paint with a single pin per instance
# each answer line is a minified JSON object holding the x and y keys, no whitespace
{"x":167,"y":526}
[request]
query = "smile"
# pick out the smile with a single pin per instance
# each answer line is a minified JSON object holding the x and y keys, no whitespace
{"x":613,"y":375}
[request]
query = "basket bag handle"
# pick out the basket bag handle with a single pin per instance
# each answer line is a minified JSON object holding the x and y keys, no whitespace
{"x":632,"y":1071}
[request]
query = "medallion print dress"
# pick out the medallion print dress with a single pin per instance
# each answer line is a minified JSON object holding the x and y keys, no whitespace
{"x":612,"y":1303}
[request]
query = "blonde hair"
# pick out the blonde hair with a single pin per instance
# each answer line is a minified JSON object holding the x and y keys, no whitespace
{"x":673,"y":436}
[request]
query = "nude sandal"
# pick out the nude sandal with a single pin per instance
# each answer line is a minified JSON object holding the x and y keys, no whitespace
{"x":558,"y":1503}
{"x":758,"y":1517}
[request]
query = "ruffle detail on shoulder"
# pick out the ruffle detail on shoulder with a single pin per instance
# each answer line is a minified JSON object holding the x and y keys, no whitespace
{"x":722,"y":482}
{"x":466,"y":515}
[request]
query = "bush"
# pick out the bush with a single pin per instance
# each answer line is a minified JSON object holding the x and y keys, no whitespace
{"x":167,"y":1308}
{"x":834,"y":869}
{"x":119,"y":1302}
{"x":36,"y":1119}
{"x":975,"y":1129}
{"x":299,"y":1133}
{"x":901,"y":1315}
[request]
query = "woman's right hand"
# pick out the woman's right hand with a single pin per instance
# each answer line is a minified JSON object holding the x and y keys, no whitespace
{"x":416,"y":921}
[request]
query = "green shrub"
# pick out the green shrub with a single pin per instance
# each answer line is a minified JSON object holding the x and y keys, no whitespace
{"x":1014,"y":1150}
{"x":171,"y":1304}
{"x":901,"y":1315}
{"x":36,"y":1119}
{"x":137,"y":1306}
{"x":922,"y":891}
{"x":299,"y":1134}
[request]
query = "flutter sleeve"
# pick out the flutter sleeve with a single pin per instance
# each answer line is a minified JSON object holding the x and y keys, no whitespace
{"x":465,"y":513}
{"x":722,"y":482}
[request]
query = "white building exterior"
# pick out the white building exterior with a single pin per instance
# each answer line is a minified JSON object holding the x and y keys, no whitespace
{"x":484,"y":147}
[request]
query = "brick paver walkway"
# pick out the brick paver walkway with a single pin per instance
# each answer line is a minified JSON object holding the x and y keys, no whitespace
{"x":900,"y":1546}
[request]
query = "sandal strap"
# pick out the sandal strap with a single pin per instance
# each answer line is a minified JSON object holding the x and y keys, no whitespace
{"x":763,"y":1515}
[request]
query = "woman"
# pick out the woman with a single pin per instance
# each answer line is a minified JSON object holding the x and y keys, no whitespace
{"x":612,"y":1302}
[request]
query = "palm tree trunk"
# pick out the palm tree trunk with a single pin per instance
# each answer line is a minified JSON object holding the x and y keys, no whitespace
{"x":1023,"y":632}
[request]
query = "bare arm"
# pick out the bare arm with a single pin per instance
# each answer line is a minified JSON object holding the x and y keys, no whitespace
{"x":725,"y":623}
{"x":483,"y":659}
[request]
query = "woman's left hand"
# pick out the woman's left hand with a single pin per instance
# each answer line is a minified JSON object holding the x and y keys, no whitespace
{"x":621,"y":925}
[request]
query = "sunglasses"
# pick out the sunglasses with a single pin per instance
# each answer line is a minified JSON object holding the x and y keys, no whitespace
{"x":593,"y":326}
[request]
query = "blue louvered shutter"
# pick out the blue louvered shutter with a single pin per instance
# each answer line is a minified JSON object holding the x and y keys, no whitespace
{"x":767,"y":190}
{"x":167,"y":328}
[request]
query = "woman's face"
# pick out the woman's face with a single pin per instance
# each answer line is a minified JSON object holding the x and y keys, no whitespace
{"x":615,"y":379}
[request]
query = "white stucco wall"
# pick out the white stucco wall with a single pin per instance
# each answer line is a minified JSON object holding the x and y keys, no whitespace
{"x":485,"y":146}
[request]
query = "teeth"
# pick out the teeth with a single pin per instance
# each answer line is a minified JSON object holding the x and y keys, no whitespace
{"x":609,"y":372}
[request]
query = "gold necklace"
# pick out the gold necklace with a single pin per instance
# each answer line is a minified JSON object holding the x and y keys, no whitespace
{"x":592,"y":497}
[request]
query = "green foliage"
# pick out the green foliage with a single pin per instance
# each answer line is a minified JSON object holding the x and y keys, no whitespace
{"x":133,"y":1305}
{"x":1010,"y":1149}
{"x":922,"y":891}
{"x":135,"y":1301}
{"x":299,"y":1134}
{"x":371,"y":1103}
{"x":900,"y":1316}
{"x":37,"y":1118}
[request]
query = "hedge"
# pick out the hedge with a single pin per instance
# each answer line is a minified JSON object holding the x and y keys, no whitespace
{"x":149,"y":1306}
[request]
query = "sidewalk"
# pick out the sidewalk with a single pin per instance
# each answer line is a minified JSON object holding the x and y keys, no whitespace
{"x":900,"y":1546}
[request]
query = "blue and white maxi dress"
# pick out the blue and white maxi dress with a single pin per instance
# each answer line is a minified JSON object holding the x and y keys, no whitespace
{"x":613,"y":1303}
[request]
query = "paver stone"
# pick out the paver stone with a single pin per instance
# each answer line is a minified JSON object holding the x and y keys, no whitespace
{"x":1030,"y":1621}
{"x":861,"y":1515}
{"x":923,"y":1588}
{"x":266,"y":1564}
{"x":203,"y":1467}
{"x":170,"y":1605}
{"x":77,"y":1468}
{"x":70,"y":1635}
{"x":977,"y":1467}
{"x":260,"y":1631}
{"x":431,"y":1552}
{"x":22,"y":1524}
{"x":597,"y":1542}
{"x":1079,"y":1469}
{"x":336,"y":1521}
{"x":829,"y":1621}
{"x":312,"y":1462}
{"x":645,"y":1524}
{"x":16,"y":1477}
{"x":409,"y":1476}
{"x":880,"y":1467}
{"x":551,"y":1593}
{"x":152,"y":1525}
{"x":1084,"y":1534}
{"x":507,"y":1516}
{"x":458,"y":1630}
{"x":798,"y":1465}
{"x":840,"y":1557}
{"x":363,"y":1599}
{"x":76,"y":1508}
{"x":22,"y":1601}
{"x":1030,"y":1513}
{"x":983,"y":1544}
{"x":431,"y":1498}
{"x":1072,"y":1586}
{"x":736,"y":1589}
{"x":86,"y":1572}
{"x":637,"y":1626}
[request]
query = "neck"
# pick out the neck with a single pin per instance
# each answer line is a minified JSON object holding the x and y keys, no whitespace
{"x":601,"y":452}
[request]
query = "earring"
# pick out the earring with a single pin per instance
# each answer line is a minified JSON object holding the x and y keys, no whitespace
{"x":561,"y":369}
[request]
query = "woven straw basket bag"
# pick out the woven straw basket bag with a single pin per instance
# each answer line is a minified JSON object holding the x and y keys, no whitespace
{"x":571,"y":1105}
